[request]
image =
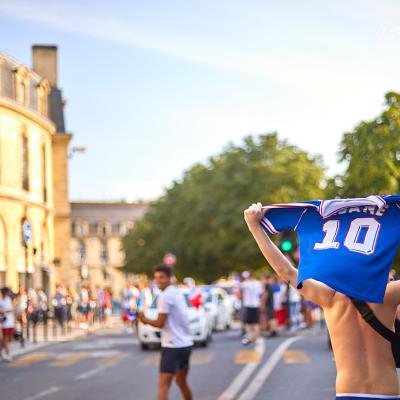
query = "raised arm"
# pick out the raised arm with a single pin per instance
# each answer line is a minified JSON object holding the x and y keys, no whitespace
{"x":316,"y":291}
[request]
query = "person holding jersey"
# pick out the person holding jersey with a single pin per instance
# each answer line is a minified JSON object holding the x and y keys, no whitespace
{"x":364,"y":361}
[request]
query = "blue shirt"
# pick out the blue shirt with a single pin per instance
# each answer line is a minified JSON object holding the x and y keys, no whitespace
{"x":348,"y":244}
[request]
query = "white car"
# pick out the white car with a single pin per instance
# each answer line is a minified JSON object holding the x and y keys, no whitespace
{"x":147,"y":334}
{"x":200,"y":325}
{"x":220,"y":307}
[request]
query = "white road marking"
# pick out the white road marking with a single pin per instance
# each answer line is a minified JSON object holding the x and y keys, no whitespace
{"x":233,"y":389}
{"x":90,"y":373}
{"x":45,"y":393}
{"x":256,"y":383}
{"x":104,"y":364}
{"x":105,"y":343}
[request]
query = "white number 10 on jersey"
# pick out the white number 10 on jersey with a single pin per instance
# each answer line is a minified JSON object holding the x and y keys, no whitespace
{"x":331,"y":229}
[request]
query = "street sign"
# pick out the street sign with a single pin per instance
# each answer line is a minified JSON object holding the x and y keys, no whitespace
{"x":169,"y":260}
{"x":27,"y":231}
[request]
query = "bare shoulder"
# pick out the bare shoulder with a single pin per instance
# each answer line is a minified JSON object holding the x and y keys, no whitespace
{"x":392,"y":294}
{"x":318,"y":292}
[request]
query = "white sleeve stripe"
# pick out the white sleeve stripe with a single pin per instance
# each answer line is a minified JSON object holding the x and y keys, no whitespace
{"x":267,"y":224}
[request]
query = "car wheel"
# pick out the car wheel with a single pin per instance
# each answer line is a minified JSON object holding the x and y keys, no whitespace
{"x":144,"y":346}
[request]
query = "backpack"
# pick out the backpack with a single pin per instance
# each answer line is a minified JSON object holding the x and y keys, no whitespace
{"x":393,"y":337}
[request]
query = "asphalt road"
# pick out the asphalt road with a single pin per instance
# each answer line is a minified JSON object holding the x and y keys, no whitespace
{"x":112,"y":367}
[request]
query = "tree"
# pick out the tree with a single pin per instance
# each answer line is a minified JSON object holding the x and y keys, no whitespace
{"x":200,"y":218}
{"x":372,"y":151}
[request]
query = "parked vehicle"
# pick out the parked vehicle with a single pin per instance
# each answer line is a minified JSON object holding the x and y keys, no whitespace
{"x":220,"y":307}
{"x":200,"y":325}
{"x":147,"y":334}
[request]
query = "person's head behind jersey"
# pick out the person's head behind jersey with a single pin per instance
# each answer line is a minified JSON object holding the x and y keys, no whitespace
{"x":162,"y":276}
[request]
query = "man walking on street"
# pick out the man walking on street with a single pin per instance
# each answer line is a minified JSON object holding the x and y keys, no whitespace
{"x":176,"y":337}
{"x":251,"y":290}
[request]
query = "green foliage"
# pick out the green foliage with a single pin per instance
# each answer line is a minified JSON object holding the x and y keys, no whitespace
{"x":372,"y":151}
{"x":200,"y":219}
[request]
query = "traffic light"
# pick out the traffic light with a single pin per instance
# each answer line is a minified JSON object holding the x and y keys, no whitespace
{"x":286,"y":243}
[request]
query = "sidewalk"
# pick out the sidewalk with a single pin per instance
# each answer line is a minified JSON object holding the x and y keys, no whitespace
{"x":114,"y":326}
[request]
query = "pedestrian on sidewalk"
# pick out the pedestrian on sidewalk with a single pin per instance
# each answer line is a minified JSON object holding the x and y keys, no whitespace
{"x":59,"y":303}
{"x":7,"y":323}
{"x":251,"y":291}
{"x":21,"y":306}
{"x":176,"y":336}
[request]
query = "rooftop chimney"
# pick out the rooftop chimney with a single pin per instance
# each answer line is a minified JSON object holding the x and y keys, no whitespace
{"x":44,"y":62}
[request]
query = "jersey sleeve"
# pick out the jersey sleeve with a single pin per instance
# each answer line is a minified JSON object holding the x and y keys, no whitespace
{"x":281,"y":219}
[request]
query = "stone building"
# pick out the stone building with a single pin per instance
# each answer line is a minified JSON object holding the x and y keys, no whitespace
{"x":34,"y":206}
{"x":96,"y":245}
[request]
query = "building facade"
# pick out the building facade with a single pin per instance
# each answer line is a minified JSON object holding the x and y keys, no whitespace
{"x":96,"y":246}
{"x":34,"y":207}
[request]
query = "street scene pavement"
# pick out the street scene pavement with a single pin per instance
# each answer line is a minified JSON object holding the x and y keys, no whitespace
{"x":110,"y":365}
{"x":193,"y":192}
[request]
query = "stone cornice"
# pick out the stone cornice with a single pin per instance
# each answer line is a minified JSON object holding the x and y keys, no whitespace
{"x":24,"y":200}
{"x":28,"y":113}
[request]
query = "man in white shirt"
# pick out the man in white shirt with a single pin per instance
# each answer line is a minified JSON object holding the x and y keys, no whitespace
{"x":6,"y":323}
{"x":176,"y":337}
{"x":251,"y":291}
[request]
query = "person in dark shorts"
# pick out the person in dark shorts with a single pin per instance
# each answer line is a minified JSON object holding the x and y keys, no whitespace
{"x":176,"y":336}
{"x":251,"y":291}
{"x":267,"y":305}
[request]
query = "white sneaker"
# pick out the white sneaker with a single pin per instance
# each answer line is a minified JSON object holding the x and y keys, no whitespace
{"x":7,"y":357}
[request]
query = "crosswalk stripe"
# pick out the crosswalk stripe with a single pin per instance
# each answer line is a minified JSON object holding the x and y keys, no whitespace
{"x":70,"y":360}
{"x":247,"y":357}
{"x":240,"y":380}
{"x":202,"y":358}
{"x":102,"y":365}
{"x":295,"y":357}
{"x":150,"y":361}
{"x":111,"y":360}
{"x":198,"y":358}
{"x":31,"y":359}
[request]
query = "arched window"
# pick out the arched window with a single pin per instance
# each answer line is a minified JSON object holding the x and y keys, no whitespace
{"x":104,"y":252}
{"x":22,"y":85}
{"x":104,"y":229}
{"x":93,"y":228}
{"x":25,"y":162}
{"x":82,"y":251}
{"x":43,"y":91}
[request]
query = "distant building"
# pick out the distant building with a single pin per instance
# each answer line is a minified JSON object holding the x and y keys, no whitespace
{"x":96,"y":245}
{"x":34,"y":207}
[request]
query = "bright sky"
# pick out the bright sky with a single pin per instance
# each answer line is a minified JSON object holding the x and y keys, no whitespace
{"x":155,"y":86}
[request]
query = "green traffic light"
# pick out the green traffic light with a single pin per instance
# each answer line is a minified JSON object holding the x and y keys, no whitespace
{"x":286,"y":245}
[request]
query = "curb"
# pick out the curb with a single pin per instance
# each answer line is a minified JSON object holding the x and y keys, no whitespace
{"x":31,"y":347}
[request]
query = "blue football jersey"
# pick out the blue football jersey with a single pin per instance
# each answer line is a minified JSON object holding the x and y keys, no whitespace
{"x":348,"y":244}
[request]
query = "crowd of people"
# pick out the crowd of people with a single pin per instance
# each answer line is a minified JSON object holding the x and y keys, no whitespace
{"x":270,"y":305}
{"x":22,"y":311}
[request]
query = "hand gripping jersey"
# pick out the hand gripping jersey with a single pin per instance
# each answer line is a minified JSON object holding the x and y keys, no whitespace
{"x":348,"y":244}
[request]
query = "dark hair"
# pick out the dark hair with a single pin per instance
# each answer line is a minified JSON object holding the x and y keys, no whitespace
{"x":5,"y":291}
{"x":164,"y":269}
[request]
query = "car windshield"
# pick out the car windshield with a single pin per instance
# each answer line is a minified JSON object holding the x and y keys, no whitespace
{"x":228,"y":290}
